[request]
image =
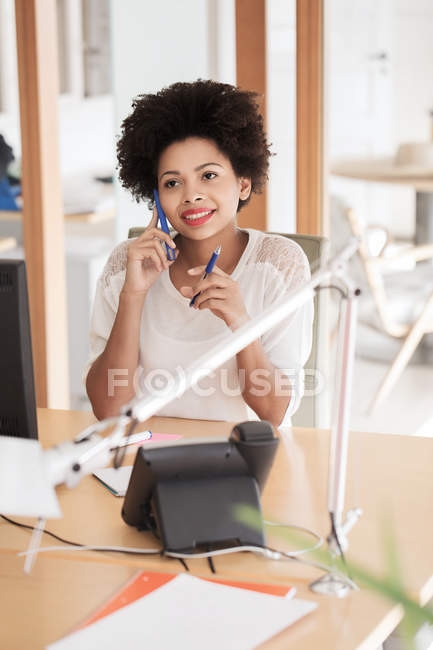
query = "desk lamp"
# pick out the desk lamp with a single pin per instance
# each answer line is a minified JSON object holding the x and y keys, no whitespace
{"x":68,"y":462}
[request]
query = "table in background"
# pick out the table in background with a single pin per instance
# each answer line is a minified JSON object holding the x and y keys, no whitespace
{"x":379,"y":170}
{"x":395,"y":484}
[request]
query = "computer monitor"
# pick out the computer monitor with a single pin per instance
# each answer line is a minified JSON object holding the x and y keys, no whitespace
{"x":17,"y":389}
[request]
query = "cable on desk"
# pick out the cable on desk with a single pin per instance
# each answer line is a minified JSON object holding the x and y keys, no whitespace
{"x":119,"y":454}
{"x":323,"y":567}
{"x":337,"y":539}
{"x":76,"y":546}
{"x":269,"y":553}
{"x":94,"y":547}
{"x":46,"y":532}
{"x":184,"y":564}
{"x":210,"y":561}
{"x":179,"y":556}
{"x":140,"y":551}
{"x":303,"y":529}
{"x":268,"y":523}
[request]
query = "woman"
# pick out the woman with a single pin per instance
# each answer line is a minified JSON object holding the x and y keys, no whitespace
{"x":202,"y":145}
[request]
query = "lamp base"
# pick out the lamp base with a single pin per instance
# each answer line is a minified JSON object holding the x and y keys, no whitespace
{"x":331,"y":585}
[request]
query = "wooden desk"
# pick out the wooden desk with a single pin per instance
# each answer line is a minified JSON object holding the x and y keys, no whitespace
{"x":395,"y":477}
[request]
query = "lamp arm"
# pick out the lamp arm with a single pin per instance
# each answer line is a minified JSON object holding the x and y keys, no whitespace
{"x":70,"y":460}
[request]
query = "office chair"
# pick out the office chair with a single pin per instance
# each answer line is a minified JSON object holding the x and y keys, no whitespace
{"x":395,"y":303}
{"x":313,"y":410}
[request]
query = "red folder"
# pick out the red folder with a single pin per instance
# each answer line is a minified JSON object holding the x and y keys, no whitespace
{"x":145,"y":582}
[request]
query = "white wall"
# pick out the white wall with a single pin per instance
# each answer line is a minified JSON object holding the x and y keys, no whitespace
{"x":8,"y":58}
{"x":156,"y":44}
{"x":281,"y":113}
{"x":153,"y":47}
{"x":360,"y":97}
{"x":377,"y":103}
{"x":412,"y":26}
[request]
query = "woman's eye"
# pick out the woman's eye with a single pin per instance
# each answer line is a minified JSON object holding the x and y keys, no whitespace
{"x":209,"y":175}
{"x":171,"y":183}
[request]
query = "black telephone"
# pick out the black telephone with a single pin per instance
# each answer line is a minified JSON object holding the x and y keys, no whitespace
{"x":185,"y":493}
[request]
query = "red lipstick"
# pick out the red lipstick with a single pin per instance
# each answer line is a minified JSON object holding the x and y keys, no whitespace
{"x":197,"y":216}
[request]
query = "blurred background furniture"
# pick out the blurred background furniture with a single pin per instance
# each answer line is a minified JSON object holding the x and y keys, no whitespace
{"x":6,"y":243}
{"x":85,"y":258}
{"x":397,"y":295}
{"x":396,"y":170}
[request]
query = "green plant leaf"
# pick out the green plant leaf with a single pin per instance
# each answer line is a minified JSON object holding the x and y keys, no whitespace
{"x":391,"y":586}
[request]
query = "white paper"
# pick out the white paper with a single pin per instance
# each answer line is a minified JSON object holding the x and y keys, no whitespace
{"x":24,"y":486}
{"x":116,"y":479}
{"x":191,"y":614}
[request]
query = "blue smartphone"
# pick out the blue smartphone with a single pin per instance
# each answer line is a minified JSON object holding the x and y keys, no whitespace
{"x":164,"y":225}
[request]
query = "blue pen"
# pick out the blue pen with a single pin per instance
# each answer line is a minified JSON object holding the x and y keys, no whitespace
{"x":164,"y":226}
{"x":208,"y":270}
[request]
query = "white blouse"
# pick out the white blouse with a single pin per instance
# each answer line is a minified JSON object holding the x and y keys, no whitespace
{"x":173,"y":335}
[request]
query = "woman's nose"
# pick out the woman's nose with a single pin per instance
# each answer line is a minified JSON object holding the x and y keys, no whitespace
{"x":190,"y":194}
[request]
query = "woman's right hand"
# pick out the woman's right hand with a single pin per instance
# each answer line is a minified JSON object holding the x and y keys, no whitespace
{"x":147,"y":258}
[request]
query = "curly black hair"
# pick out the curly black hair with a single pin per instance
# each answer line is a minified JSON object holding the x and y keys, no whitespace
{"x":208,"y":109}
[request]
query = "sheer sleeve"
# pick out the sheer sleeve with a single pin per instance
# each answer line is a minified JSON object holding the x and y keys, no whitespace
{"x":106,"y":303}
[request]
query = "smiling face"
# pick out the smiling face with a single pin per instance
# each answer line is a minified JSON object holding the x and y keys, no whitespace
{"x":198,"y":189}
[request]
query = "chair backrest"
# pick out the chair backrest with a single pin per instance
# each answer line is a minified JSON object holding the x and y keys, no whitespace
{"x":343,"y":228}
{"x":313,"y":410}
{"x":136,"y":231}
{"x":362,"y":267}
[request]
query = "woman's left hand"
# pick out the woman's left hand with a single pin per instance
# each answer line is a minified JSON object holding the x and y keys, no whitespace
{"x":220,"y":294}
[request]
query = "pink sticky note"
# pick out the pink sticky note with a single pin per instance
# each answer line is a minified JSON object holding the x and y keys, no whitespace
{"x":158,"y":437}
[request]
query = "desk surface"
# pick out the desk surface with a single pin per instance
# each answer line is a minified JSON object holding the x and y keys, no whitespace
{"x":395,"y":480}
